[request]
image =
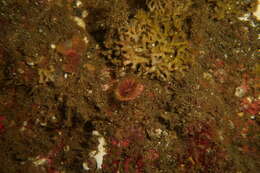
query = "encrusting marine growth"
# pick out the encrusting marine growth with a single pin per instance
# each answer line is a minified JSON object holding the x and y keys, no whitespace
{"x":156,"y":41}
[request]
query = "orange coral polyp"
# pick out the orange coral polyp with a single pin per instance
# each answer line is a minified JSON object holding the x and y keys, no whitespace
{"x":128,"y":89}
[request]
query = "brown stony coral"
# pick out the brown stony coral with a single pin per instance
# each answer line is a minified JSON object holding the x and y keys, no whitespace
{"x":128,"y":89}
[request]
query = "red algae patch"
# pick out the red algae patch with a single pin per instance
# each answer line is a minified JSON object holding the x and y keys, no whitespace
{"x":128,"y":89}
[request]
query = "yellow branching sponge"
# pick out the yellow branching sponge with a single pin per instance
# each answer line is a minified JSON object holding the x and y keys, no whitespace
{"x":154,"y":42}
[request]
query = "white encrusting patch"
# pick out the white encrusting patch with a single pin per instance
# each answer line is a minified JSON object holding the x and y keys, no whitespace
{"x":101,"y":150}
